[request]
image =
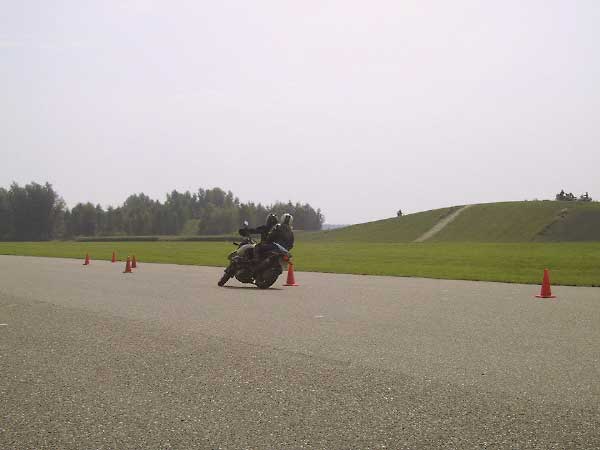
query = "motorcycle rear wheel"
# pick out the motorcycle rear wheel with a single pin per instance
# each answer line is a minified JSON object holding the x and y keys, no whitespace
{"x":267,"y":278}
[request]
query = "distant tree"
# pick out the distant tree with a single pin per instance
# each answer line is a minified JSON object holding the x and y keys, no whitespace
{"x":100,"y":220}
{"x":36,"y":212}
{"x":60,"y":225}
{"x":561,"y":195}
{"x":137,"y":214}
{"x":585,"y":197}
{"x":217,"y":197}
{"x":305,"y":216}
{"x":84,"y":220}
{"x":176,"y":211}
{"x":399,"y":213}
{"x":5,"y":216}
{"x":112,"y":223}
{"x":215,"y":220}
{"x":33,"y":211}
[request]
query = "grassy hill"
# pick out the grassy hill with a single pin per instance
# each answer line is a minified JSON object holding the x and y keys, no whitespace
{"x":398,"y":229}
{"x":576,"y":224}
{"x":530,"y":221}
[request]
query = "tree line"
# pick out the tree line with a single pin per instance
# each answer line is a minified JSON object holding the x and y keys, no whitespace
{"x":36,"y":212}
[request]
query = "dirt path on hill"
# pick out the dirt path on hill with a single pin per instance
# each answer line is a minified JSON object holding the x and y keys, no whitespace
{"x":440,"y":225}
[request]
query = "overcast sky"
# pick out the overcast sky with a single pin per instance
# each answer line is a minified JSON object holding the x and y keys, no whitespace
{"x":358,"y":108}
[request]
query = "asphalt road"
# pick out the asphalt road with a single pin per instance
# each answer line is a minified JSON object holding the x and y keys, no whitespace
{"x":163,"y":358}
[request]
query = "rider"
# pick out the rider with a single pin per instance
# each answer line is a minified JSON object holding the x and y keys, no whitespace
{"x":280,"y":233}
{"x":263,"y":230}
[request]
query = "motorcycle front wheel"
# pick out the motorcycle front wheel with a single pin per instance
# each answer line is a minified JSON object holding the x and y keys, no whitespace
{"x":225,"y":278}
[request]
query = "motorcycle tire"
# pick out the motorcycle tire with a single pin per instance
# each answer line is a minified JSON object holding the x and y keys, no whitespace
{"x":225,"y":278}
{"x":267,"y":278}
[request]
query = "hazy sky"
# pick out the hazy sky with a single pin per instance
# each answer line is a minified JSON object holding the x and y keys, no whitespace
{"x":359,"y":108}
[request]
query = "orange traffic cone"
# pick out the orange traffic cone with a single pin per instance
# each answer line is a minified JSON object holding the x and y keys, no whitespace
{"x":546,"y":292}
{"x":291,"y":281}
{"x":128,"y":266}
{"x":114,"y":258}
{"x":87,"y":259}
{"x":133,"y":262}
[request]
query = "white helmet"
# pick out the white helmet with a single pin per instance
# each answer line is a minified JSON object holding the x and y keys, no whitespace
{"x":287,"y":219}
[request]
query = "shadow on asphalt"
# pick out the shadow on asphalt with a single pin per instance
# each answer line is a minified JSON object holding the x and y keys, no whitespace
{"x":253,"y":287}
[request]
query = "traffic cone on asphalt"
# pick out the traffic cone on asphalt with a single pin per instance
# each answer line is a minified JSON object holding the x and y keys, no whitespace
{"x":133,"y":262}
{"x":114,"y":258}
{"x":87,"y":259}
{"x":128,"y":265}
{"x":291,"y":281}
{"x":546,"y":292}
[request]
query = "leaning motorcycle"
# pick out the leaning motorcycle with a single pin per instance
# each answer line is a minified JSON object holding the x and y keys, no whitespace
{"x":246,"y":269}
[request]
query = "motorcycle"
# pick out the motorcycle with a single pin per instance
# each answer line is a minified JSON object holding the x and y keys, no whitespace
{"x":246,"y":269}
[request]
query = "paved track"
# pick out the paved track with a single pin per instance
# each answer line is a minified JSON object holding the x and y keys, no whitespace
{"x":163,"y":358}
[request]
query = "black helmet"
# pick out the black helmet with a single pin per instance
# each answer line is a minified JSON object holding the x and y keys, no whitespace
{"x":271,"y":220}
{"x":287,"y":219}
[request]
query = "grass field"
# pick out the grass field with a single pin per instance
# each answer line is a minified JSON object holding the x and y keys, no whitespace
{"x":570,"y":263}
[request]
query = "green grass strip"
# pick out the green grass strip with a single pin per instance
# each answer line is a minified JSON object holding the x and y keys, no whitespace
{"x":570,"y":263}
